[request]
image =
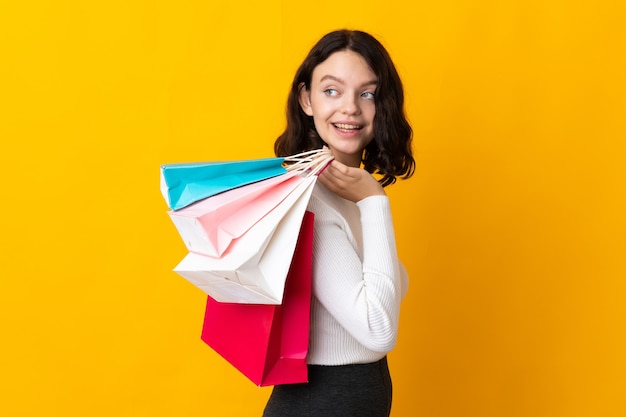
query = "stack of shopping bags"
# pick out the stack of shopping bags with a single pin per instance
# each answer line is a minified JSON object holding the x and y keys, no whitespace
{"x":249,"y":239}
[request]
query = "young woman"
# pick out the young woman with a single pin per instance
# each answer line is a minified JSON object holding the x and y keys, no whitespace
{"x":347,"y":96}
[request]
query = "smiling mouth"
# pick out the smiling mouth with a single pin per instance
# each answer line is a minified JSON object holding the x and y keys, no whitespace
{"x":345,"y":127}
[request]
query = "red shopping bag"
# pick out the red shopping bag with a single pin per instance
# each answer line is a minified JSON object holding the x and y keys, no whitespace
{"x":268,"y":343}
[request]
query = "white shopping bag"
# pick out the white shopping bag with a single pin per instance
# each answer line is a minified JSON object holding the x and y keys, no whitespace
{"x":209,"y":226}
{"x":254,"y":268}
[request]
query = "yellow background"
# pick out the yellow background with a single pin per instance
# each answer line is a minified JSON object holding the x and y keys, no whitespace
{"x":512,"y":228}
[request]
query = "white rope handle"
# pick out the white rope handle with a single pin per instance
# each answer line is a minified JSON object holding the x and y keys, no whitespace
{"x":310,"y":162}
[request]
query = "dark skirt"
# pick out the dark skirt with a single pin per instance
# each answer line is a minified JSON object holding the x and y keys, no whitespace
{"x":362,"y":390}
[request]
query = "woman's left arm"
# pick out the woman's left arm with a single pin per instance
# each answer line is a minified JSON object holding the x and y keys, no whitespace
{"x":372,"y":286}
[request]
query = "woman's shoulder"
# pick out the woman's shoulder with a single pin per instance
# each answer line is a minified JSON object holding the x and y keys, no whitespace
{"x":325,"y":203}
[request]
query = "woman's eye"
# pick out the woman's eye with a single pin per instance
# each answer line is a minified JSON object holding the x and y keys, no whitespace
{"x":367,"y":95}
{"x":331,"y":92}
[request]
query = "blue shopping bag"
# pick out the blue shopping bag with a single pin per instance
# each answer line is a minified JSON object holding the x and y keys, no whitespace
{"x":185,"y":183}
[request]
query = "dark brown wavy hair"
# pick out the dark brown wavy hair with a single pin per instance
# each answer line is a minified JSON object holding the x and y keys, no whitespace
{"x":389,"y":154}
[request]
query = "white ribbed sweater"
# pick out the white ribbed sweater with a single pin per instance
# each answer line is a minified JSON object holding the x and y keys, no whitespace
{"x":358,"y":282}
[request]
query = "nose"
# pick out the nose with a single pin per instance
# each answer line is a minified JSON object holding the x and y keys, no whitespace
{"x":350,"y":104}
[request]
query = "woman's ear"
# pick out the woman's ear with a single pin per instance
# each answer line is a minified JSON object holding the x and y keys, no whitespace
{"x":304,"y":97}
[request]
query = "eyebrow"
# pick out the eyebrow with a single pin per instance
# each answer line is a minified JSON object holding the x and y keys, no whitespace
{"x":339,"y":80}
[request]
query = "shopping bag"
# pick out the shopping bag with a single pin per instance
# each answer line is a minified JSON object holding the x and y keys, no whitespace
{"x":209,"y":226}
{"x":266,"y":343}
{"x":255,"y":266}
{"x":185,"y":183}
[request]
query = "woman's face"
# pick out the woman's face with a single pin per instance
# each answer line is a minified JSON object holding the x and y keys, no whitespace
{"x":341,"y":101}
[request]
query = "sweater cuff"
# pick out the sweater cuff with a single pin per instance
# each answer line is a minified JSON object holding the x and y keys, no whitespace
{"x":373,"y":202}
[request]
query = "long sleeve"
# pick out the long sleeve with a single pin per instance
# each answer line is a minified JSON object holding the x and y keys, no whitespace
{"x":358,"y":282}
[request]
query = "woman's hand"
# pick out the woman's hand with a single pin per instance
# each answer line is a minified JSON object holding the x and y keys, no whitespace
{"x":350,"y":183}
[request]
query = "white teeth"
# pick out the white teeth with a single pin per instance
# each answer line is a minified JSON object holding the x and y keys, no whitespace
{"x":344,"y":126}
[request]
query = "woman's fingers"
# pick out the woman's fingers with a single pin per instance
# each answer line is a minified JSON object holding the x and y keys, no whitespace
{"x":351,"y":183}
